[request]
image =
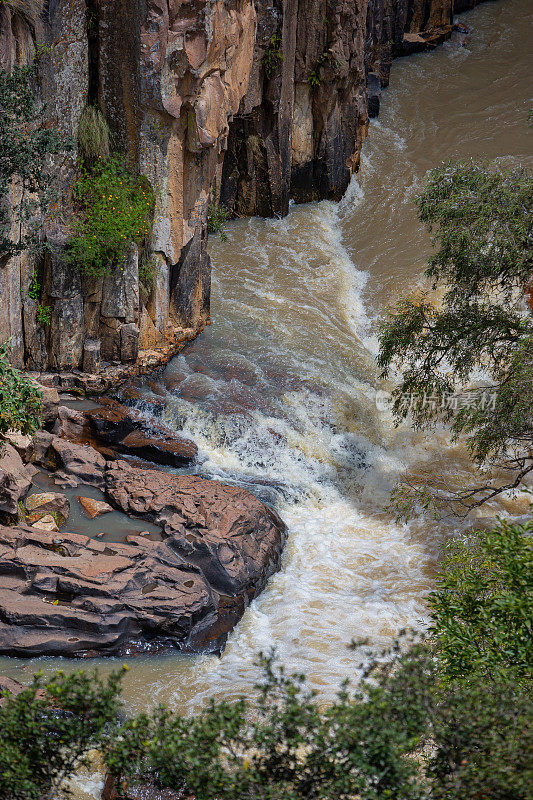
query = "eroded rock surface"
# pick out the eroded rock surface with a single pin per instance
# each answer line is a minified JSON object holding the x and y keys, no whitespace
{"x":65,"y":594}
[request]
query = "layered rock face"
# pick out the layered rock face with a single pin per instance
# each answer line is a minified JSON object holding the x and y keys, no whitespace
{"x":244,"y":102}
{"x":66,"y":594}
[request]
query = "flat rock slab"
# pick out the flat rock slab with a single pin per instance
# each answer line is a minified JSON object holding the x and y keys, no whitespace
{"x":69,"y":595}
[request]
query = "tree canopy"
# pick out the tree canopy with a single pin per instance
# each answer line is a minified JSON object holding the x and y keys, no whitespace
{"x":463,"y":348}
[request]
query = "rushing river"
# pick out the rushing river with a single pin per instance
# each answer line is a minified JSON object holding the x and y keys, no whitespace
{"x":279,"y":391}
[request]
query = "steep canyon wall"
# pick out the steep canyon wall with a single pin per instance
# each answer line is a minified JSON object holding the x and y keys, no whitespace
{"x":240,"y":102}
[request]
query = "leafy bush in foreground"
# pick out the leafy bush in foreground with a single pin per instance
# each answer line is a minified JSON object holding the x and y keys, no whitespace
{"x":20,"y":400}
{"x":417,"y":728}
{"x":45,"y":731}
{"x":482,"y":609}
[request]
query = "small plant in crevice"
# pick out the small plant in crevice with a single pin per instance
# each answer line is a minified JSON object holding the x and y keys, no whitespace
{"x":327,"y":57}
{"x":44,"y":315}
{"x":115,"y":208}
{"x":93,"y":135}
{"x":148,"y":270}
{"x":34,"y":288}
{"x":273,"y":57}
{"x":217,"y":216}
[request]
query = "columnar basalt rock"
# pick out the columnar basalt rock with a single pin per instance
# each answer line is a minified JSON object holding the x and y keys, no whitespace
{"x":244,"y":102}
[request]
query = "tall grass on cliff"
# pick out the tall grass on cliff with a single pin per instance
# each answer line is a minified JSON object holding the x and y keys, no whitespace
{"x":467,"y":359}
{"x":93,"y":135}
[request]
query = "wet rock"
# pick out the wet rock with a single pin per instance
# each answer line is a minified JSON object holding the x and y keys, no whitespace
{"x":94,"y":508}
{"x":48,"y":503}
{"x":15,"y":481}
{"x":160,"y":448}
{"x":373,"y":88}
{"x":127,"y":430}
{"x":72,"y":424}
{"x":46,"y":523}
{"x":82,"y":462}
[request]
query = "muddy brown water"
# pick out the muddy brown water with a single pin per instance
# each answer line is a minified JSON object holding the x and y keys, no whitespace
{"x":279,"y":392}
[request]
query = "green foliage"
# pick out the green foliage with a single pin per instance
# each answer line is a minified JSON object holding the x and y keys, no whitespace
{"x":327,"y":57}
{"x":446,"y":718}
{"x":284,"y":746}
{"x":480,"y":217}
{"x":482,"y":609}
{"x":115,"y":208}
{"x":402,"y":736}
{"x":481,"y":739}
{"x":47,"y":728}
{"x":34,"y":289}
{"x":20,"y":400}
{"x":273,"y":57}
{"x":93,"y":135}
{"x":44,"y":315}
{"x":217,"y":216}
{"x":313,"y":79}
{"x":23,"y":150}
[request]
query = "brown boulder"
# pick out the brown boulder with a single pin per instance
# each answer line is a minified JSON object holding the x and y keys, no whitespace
{"x":130,"y":433}
{"x":231,"y":535}
{"x":81,"y":462}
{"x":15,"y":481}
{"x":23,"y":444}
{"x":65,"y":594}
{"x":160,"y":448}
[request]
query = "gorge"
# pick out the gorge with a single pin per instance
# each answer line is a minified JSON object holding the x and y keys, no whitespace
{"x":278,"y":393}
{"x":242,"y":103}
{"x":266,"y":109}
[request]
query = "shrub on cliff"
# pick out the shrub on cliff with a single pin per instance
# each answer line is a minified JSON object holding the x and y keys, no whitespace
{"x":481,"y":220}
{"x":20,"y":400}
{"x":115,"y":207}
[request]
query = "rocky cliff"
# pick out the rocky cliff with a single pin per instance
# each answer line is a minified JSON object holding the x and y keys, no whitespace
{"x":240,"y":102}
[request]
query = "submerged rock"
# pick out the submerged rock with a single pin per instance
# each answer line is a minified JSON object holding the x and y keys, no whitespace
{"x":93,"y":508}
{"x":66,"y":594}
